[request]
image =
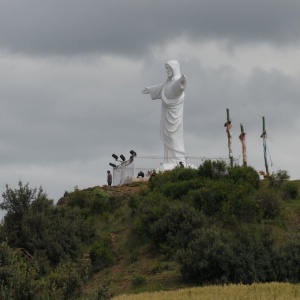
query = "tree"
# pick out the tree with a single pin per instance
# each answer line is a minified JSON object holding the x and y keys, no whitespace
{"x":17,"y":203}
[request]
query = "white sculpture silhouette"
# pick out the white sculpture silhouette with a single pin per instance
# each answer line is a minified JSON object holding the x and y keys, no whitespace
{"x":171,"y":125}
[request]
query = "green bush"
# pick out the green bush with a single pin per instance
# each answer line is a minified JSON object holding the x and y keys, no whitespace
{"x":150,"y":209}
{"x":159,"y":179}
{"x":287,"y":261}
{"x":65,"y":281}
{"x":208,"y":257}
{"x":249,"y":210}
{"x":18,"y":275}
{"x":211,"y":197}
{"x":102,"y":293}
{"x":279,"y":178}
{"x":290,"y":190}
{"x":175,"y":175}
{"x":177,"y":190}
{"x":102,"y":254}
{"x":173,"y":230}
{"x":138,"y":280}
{"x":213,"y":169}
{"x":270,"y":203}
{"x":57,"y":233}
{"x":244,"y":175}
{"x":186,"y":174}
{"x":80,"y":198}
{"x":215,"y":255}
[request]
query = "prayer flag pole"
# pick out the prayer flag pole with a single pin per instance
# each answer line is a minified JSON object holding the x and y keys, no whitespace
{"x":242,"y":138}
{"x":228,"y":126}
{"x":264,"y":137}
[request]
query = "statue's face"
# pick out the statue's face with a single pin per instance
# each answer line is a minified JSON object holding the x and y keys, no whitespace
{"x":169,"y":71}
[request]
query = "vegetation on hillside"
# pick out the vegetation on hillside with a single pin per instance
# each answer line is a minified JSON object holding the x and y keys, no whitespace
{"x":217,"y":224}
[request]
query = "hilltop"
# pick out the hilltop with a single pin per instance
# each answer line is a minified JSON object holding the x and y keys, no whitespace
{"x":186,"y":227}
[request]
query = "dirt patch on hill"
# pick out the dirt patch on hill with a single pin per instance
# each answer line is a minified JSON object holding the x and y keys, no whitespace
{"x":123,"y":190}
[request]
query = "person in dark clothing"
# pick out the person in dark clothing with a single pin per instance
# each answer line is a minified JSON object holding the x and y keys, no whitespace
{"x":109,"y":178}
{"x":153,"y":174}
{"x":141,"y":174}
{"x":181,"y":164}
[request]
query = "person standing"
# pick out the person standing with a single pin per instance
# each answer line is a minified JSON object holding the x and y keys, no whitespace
{"x":109,"y":178}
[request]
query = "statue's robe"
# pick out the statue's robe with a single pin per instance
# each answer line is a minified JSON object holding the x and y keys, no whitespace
{"x":171,"y":125}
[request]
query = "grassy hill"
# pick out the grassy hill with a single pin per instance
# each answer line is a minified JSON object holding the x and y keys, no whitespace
{"x":137,"y":267}
{"x":185,"y":228}
{"x":143,"y":267}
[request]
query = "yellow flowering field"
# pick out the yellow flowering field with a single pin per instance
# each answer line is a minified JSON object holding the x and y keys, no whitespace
{"x":266,"y":291}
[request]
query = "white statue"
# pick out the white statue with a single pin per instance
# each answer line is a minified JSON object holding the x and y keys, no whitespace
{"x":171,"y":125}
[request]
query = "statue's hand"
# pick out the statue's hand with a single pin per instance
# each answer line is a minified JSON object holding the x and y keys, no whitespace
{"x":182,"y":79}
{"x":145,"y":91}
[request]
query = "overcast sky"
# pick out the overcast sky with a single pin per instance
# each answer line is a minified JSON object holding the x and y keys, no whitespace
{"x":72,"y":72}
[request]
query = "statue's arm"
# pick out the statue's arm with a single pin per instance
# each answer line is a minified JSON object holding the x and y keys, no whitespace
{"x":179,"y":85}
{"x":154,"y":91}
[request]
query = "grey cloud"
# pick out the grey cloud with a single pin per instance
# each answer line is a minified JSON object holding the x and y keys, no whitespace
{"x":132,"y":27}
{"x":272,"y":94}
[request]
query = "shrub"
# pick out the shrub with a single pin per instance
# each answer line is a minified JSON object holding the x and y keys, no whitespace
{"x":177,"y":190}
{"x":279,"y":178}
{"x":175,"y":175}
{"x":186,"y":174}
{"x":102,"y":254}
{"x":66,"y":280}
{"x":103,"y":293}
{"x":290,"y":190}
{"x":244,"y":175}
{"x":156,"y":268}
{"x":173,"y":230}
{"x":213,"y":169}
{"x":17,"y":275}
{"x":80,"y":198}
{"x":249,"y":211}
{"x":270,"y":203}
{"x":159,"y":179}
{"x":101,"y":204}
{"x":286,"y":261}
{"x":138,"y":280}
{"x":57,"y":233}
{"x":218,"y":256}
{"x":150,"y":209}
{"x":208,"y":257}
{"x":212,"y":196}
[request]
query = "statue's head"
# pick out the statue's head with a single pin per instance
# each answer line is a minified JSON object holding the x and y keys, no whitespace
{"x":173,"y":68}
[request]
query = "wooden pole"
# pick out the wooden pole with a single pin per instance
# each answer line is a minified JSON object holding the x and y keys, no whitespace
{"x":228,"y":126}
{"x":264,"y":137}
{"x":242,"y":138}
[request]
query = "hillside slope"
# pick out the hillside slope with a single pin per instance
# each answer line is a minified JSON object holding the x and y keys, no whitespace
{"x":184,"y":228}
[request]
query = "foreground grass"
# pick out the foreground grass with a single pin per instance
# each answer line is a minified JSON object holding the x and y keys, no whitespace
{"x":267,"y":291}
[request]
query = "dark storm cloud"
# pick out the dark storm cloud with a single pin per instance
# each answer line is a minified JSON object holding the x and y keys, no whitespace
{"x":130,"y":27}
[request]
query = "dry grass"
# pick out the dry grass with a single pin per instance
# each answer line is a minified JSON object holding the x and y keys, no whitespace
{"x":267,"y":291}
